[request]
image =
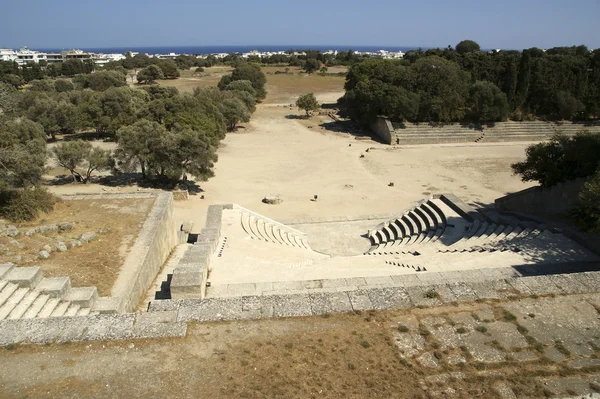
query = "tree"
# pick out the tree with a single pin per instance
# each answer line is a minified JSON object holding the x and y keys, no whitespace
{"x":63,"y":85}
{"x":169,"y":69}
{"x":442,"y":88}
{"x":136,"y":144}
{"x":487,"y":102}
{"x":242,"y":85}
{"x":562,"y":158}
{"x":22,"y":153}
{"x":150,"y":74}
{"x":587,"y":213}
{"x":467,"y":46}
{"x":234,"y":111}
{"x":568,"y":105}
{"x":76,"y":154}
{"x":250,"y":72}
{"x":307,"y":102}
{"x":312,"y":65}
{"x":100,"y":81}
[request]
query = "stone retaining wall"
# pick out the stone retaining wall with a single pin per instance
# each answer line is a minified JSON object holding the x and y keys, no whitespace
{"x":383,"y":128}
{"x":147,"y":255}
{"x":168,"y":318}
{"x":555,"y":200}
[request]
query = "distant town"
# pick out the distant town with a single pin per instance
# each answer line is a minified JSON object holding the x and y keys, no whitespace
{"x":25,"y":55}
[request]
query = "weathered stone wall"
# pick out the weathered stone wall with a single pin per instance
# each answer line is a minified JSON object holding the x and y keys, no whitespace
{"x":555,"y":200}
{"x":383,"y":128}
{"x":189,"y":277}
{"x":151,"y":249}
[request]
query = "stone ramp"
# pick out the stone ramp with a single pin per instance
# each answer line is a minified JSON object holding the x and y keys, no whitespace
{"x":26,"y":294}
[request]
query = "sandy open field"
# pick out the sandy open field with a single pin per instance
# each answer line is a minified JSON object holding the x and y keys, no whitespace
{"x":277,"y":153}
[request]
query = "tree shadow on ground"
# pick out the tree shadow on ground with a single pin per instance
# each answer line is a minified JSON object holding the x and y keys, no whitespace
{"x":295,"y":116}
{"x":132,"y":180}
{"x":350,"y":128}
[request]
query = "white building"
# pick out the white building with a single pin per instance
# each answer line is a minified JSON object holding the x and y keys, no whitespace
{"x":26,"y":56}
{"x":7,"y":54}
{"x":103,"y":59}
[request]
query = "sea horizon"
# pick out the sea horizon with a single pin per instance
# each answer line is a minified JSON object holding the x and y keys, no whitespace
{"x":227,"y":49}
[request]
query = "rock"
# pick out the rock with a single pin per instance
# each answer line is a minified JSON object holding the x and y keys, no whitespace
{"x":17,"y":244}
{"x":65,"y":226}
{"x":18,"y":259}
{"x":74,"y":243}
{"x":186,"y":227}
{"x":3,"y":248}
{"x":44,"y":254}
{"x":87,"y":237}
{"x":103,"y":230}
{"x":12,"y":231}
{"x":47,"y":248}
{"x":47,"y":229}
{"x":272,"y":200}
{"x":61,"y":246}
{"x":30,"y":232}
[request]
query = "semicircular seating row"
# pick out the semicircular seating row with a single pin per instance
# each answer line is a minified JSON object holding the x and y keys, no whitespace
{"x":424,"y":223}
{"x":263,"y":229}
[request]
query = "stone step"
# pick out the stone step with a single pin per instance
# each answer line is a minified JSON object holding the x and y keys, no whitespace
{"x":48,"y":308}
{"x":27,"y":277}
{"x":72,"y":310}
{"x":12,"y":302}
{"x":83,"y":312}
{"x":56,"y":287}
{"x":36,"y":306}
{"x":7,"y":291}
{"x":82,"y":296}
{"x":61,"y":309}
{"x":24,"y":305}
{"x":5,"y":268}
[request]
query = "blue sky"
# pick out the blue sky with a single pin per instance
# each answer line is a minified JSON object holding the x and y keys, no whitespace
{"x":508,"y":24}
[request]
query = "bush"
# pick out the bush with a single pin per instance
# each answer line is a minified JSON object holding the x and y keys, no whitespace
{"x":587,"y":215}
{"x":24,"y":205}
{"x":199,"y":69}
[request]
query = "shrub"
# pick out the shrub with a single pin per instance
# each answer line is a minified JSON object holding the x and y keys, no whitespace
{"x":24,"y":205}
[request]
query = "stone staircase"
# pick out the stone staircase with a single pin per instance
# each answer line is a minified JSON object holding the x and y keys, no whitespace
{"x":424,"y":223}
{"x":261,"y":228}
{"x":26,"y":294}
{"x":410,"y":133}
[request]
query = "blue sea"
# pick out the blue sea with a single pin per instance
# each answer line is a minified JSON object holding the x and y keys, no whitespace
{"x":230,"y":49}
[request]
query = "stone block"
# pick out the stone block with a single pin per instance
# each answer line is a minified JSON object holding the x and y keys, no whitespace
{"x":360,"y":300}
{"x":407,"y":280}
{"x":107,"y":305}
{"x":162,"y":305}
{"x":289,"y":305}
{"x":541,"y":285}
{"x":569,"y":283}
{"x":381,"y":281}
{"x":419,"y":296}
{"x":336,"y":282}
{"x":389,"y":298}
{"x":246,"y":289}
{"x":254,"y":307}
{"x":27,"y":277}
{"x":324,"y":303}
{"x":56,"y":287}
{"x":463,"y":291}
{"x":190,"y":284}
{"x":109,"y":326}
{"x":210,"y":309}
{"x":82,"y":296}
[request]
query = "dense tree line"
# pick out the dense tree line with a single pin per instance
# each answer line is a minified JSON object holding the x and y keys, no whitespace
{"x":448,"y":85}
{"x":159,"y":131}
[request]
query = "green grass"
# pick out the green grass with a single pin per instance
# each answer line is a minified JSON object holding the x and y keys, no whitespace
{"x":461,"y":330}
{"x":508,"y":316}
{"x":481,"y":329}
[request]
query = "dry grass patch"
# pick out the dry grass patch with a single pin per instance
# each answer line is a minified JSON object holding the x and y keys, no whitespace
{"x":96,"y":263}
